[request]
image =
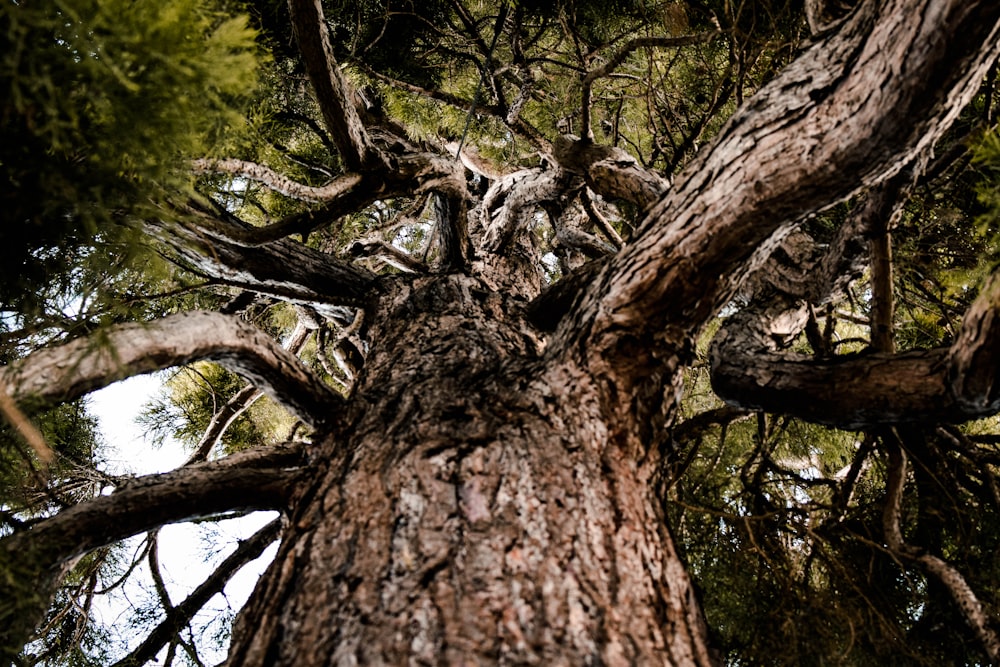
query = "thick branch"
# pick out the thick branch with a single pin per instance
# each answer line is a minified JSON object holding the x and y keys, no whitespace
{"x":239,"y":403}
{"x":514,"y":199}
{"x":332,"y":91}
{"x":283,"y":268}
{"x":453,"y":231}
{"x":826,"y":126}
{"x":942,"y":385}
{"x":62,"y":373}
{"x":251,"y":480}
{"x":610,"y":171}
{"x":334,"y":190}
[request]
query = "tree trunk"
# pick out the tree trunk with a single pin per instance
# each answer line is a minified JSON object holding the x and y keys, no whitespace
{"x":472,"y":508}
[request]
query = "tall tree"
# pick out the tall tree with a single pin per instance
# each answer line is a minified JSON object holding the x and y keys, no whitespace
{"x":502,"y":242}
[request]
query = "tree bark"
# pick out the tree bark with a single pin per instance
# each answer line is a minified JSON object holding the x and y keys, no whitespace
{"x":828,"y":125}
{"x":69,"y":371}
{"x":475,"y":509}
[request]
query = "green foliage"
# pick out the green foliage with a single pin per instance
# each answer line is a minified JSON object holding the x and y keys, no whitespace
{"x":101,"y":101}
{"x":73,"y":434}
{"x":193,"y":395}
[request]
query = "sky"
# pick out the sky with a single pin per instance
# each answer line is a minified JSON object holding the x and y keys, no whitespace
{"x":187,"y":552}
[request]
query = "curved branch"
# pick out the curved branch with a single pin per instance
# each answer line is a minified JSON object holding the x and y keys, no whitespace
{"x":853,"y":392}
{"x":515,"y":197}
{"x":62,"y":373}
{"x":610,"y":171}
{"x":826,"y":126}
{"x":334,"y":190}
{"x":239,"y":403}
{"x":414,"y":172}
{"x":180,"y":615}
{"x":251,"y":480}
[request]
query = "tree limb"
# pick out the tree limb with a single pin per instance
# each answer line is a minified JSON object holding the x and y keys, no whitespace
{"x":332,"y":92}
{"x":283,"y":268}
{"x":59,"y":374}
{"x":952,"y":384}
{"x":250,"y":480}
{"x":609,"y":171}
{"x":181,"y":614}
{"x":239,"y":403}
{"x":280,"y":183}
{"x":963,"y":595}
{"x":826,"y":126}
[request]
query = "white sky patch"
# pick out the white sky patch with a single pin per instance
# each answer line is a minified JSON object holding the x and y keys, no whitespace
{"x":188,"y":552}
{"x":129,"y":451}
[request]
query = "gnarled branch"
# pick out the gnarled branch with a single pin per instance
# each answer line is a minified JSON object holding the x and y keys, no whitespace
{"x":278,"y":182}
{"x":941,"y":385}
{"x":62,"y":373}
{"x":825,"y":127}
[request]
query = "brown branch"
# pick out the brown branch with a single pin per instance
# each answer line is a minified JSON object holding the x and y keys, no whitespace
{"x":239,"y":403}
{"x":181,"y":615}
{"x":250,"y":480}
{"x":822,"y":129}
{"x":600,"y":221}
{"x":389,"y":254}
{"x":610,"y":171}
{"x":453,"y":232}
{"x":59,"y":374}
{"x":333,"y":93}
{"x":283,"y":268}
{"x":280,"y":183}
{"x":942,"y":385}
{"x":514,"y":198}
{"x":963,"y":595}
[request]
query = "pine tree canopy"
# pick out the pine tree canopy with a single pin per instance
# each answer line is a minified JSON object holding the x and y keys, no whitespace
{"x":571,"y":332}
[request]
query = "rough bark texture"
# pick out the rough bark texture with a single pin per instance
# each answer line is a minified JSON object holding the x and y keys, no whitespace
{"x":485,"y":496}
{"x":474,"y":510}
{"x":837,"y":110}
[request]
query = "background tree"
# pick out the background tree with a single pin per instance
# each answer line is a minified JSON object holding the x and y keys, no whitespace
{"x":478,"y":255}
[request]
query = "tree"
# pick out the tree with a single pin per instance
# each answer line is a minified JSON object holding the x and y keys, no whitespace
{"x":490,"y":465}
